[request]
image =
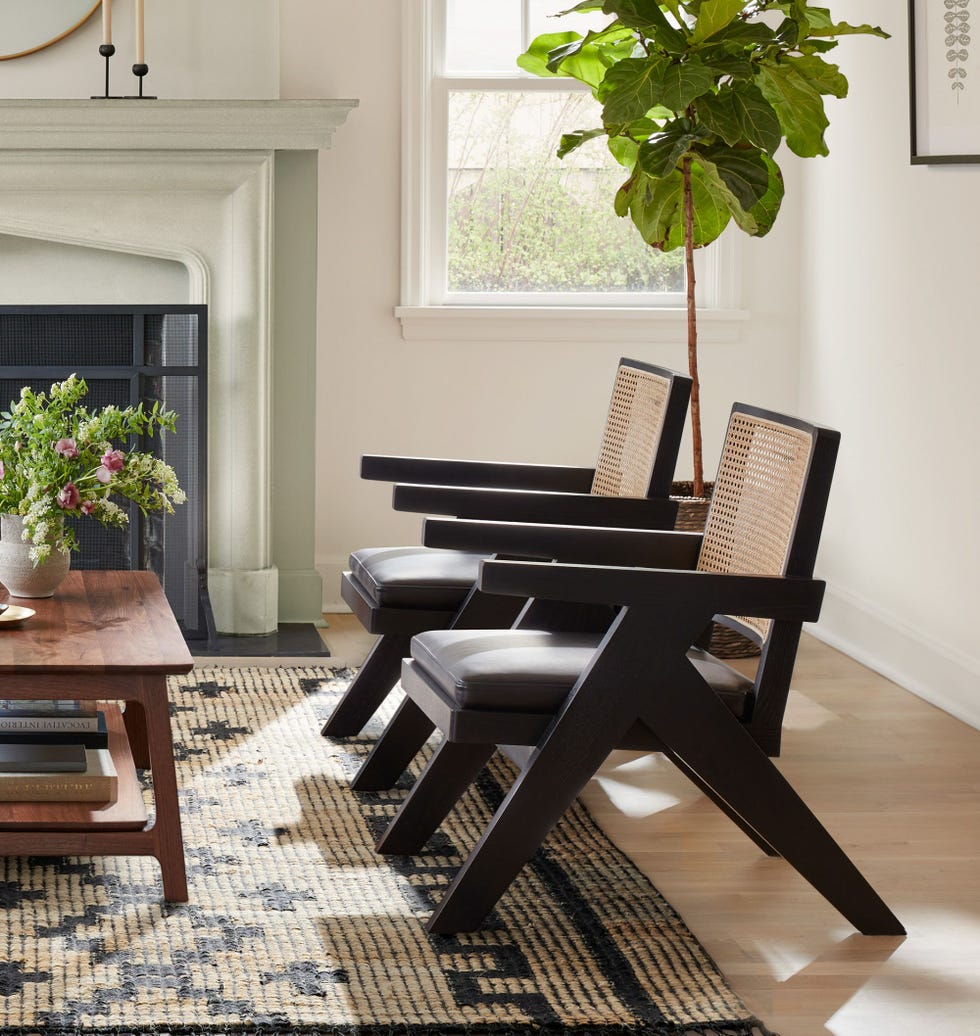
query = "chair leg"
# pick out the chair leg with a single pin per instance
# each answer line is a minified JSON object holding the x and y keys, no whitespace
{"x":370,"y":687}
{"x":589,"y":725}
{"x":693,"y":723}
{"x":533,"y":806}
{"x":441,"y":784}
{"x":405,"y":734}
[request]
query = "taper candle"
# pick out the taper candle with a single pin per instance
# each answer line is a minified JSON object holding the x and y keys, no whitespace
{"x":106,"y":22}
{"x":140,"y":56}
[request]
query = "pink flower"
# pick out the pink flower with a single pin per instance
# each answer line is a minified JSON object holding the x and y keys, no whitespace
{"x":87,"y":506}
{"x":69,"y":496}
{"x":103,"y":474}
{"x":67,"y":448}
{"x":3,"y":470}
{"x":113,"y":460}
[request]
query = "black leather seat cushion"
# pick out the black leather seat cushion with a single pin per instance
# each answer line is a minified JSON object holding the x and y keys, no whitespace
{"x":533,"y":671}
{"x":415,"y":577}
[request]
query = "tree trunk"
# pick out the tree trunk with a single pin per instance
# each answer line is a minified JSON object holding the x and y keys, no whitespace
{"x":692,"y":331}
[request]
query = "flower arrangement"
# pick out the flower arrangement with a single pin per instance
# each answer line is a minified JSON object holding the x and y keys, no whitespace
{"x":58,"y":459}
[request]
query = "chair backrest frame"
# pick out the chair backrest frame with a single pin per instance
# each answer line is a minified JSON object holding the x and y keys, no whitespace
{"x":780,"y":639}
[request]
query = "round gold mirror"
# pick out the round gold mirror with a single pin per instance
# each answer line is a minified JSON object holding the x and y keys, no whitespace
{"x":30,"y":25}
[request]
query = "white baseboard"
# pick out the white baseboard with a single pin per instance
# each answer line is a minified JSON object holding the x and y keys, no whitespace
{"x":330,"y":570}
{"x":936,"y":672}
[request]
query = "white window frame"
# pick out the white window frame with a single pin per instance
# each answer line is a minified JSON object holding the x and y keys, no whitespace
{"x":428,"y":311}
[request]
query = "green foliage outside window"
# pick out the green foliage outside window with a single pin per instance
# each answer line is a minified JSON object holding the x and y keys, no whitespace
{"x":520,"y":220}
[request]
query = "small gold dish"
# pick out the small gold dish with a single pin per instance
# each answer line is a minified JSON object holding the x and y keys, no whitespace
{"x":14,"y":614}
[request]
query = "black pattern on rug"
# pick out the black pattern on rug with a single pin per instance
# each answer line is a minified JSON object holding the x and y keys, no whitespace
{"x":296,"y":925}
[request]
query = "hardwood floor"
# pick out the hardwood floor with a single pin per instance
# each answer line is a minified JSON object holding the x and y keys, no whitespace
{"x":896,"y":781}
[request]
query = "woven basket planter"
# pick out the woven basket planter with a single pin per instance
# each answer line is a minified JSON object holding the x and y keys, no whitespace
{"x":692,"y":513}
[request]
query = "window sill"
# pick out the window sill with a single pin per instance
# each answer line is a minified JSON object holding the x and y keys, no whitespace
{"x":565,"y":324}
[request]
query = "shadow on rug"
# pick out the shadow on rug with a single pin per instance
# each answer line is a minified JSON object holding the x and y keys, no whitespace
{"x":296,"y":925}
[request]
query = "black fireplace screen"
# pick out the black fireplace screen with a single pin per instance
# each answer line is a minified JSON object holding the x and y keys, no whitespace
{"x":127,"y":355}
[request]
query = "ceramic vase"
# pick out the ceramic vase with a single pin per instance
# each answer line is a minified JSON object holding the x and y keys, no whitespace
{"x":17,"y":572}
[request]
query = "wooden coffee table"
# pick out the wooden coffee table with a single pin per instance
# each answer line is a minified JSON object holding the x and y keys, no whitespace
{"x":108,"y":637}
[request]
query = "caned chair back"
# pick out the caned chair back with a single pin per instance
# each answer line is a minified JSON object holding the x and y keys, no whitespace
{"x":757,"y":500}
{"x":642,"y":432}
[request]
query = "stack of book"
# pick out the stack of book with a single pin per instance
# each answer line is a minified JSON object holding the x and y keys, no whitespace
{"x":54,"y":751}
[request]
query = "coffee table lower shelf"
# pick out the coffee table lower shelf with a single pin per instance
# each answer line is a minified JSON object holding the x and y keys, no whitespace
{"x":127,"y":813}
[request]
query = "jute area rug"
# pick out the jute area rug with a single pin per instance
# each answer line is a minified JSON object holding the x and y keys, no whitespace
{"x":296,"y":925}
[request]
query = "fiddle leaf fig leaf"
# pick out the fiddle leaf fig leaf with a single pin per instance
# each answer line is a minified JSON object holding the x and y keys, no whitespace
{"x":624,"y":150}
{"x":630,"y":89}
{"x":535,"y":58}
{"x":789,"y":33}
{"x":624,"y":196}
{"x":744,"y":33}
{"x":661,"y":153}
{"x":757,"y":119}
{"x":717,"y":112}
{"x":821,"y":75}
{"x":723,"y":195}
{"x":814,"y":46}
{"x":766,"y":209}
{"x":799,"y":107}
{"x":820,"y":23}
{"x":714,"y":16}
{"x":588,"y":57}
{"x":570,"y":141}
{"x":727,"y":62}
{"x":566,"y":50}
{"x":742,"y":171}
{"x":683,"y":81}
{"x":649,"y":16}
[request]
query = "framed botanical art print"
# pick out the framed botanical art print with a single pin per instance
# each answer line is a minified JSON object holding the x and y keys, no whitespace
{"x":944,"y":67}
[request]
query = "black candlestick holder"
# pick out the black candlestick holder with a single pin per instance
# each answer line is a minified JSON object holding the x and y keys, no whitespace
{"x":106,"y":50}
{"x":140,"y":70}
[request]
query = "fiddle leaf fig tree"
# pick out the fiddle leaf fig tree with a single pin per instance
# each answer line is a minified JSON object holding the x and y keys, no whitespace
{"x":696,"y":98}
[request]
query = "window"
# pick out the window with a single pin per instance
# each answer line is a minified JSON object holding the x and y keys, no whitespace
{"x":493,"y":221}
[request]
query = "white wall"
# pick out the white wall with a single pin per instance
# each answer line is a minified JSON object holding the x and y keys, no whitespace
{"x":890,"y":357}
{"x":503,"y":400}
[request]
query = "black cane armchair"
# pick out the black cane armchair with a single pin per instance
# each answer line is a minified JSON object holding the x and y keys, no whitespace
{"x":559,"y":701}
{"x":400,"y":591}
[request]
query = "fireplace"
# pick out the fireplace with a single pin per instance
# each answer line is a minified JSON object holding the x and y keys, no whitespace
{"x":228,"y":189}
{"x":130,"y":355}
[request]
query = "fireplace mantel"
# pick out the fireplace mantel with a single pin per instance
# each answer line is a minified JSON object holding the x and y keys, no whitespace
{"x":215,"y":186}
{"x":305,"y":125}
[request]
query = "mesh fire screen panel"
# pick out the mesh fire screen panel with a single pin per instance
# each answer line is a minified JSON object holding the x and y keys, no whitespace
{"x":127,"y":355}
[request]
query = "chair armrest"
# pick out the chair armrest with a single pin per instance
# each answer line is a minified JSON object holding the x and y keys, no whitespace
{"x":523,"y":505}
{"x":772,"y":597}
{"x":436,"y":471}
{"x":572,"y":543}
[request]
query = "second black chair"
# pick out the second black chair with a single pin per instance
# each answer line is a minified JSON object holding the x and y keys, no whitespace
{"x":398,"y":592}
